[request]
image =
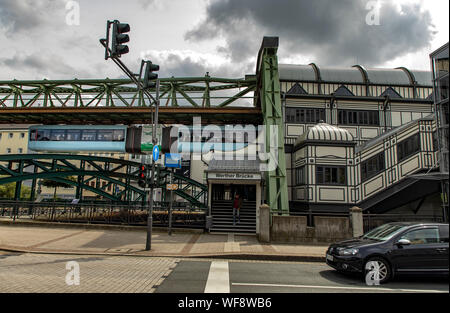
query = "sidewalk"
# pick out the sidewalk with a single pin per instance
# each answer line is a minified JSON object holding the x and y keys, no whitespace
{"x":129,"y":241}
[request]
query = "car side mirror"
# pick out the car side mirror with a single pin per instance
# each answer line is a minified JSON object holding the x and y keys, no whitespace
{"x":403,"y":242}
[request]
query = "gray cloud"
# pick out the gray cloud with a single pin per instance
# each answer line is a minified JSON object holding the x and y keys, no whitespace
{"x":185,"y":64}
{"x":334,"y":32}
{"x":21,"y":16}
{"x":150,"y":3}
{"x":42,"y":65}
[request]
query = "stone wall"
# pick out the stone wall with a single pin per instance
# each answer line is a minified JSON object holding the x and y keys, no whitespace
{"x":291,"y":229}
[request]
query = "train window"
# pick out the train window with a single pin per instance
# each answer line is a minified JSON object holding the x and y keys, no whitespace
{"x":73,"y":135}
{"x":58,"y":135}
{"x":118,"y":135}
{"x":43,"y":135}
{"x":105,"y":135}
{"x":89,"y":135}
{"x":33,"y":134}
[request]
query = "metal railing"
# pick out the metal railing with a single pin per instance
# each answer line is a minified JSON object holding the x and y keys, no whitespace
{"x":134,"y":215}
{"x":371,"y":221}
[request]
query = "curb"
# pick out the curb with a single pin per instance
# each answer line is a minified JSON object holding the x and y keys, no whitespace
{"x":229,"y":256}
{"x":97,"y":226}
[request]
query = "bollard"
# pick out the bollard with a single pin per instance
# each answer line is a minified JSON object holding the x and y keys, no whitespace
{"x":264,"y":223}
{"x":356,"y":219}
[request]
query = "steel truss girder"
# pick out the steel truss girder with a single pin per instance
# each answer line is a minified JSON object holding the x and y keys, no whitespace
{"x":116,"y":172}
{"x":269,"y":98}
{"x":195,"y":91}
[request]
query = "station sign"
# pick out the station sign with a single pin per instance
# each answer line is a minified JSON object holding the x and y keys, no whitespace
{"x":235,"y":176}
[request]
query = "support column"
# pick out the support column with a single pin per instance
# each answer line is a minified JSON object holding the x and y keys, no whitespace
{"x":269,"y":98}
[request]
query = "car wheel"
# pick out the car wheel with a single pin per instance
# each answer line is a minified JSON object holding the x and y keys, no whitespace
{"x":377,"y":271}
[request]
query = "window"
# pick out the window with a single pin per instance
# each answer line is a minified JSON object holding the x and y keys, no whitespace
{"x":20,"y":150}
{"x":22,"y":135}
{"x":443,"y":234}
{"x":422,"y":236}
{"x":331,"y":175}
{"x":73,"y":135}
{"x":303,"y":115}
{"x":43,"y":135}
{"x":435,"y":141}
{"x":58,"y":135}
{"x":1,"y":136}
{"x":300,"y":177}
{"x":105,"y":135}
{"x":8,"y":150}
{"x":11,"y":135}
{"x":89,"y":135}
{"x":408,"y":147}
{"x":350,"y":117}
{"x":372,"y":166}
{"x":118,"y":135}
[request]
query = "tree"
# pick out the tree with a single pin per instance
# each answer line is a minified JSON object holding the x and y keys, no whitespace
{"x":8,"y":190}
{"x":49,"y":183}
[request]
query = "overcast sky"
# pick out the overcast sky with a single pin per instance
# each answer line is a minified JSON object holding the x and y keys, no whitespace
{"x":41,"y":38}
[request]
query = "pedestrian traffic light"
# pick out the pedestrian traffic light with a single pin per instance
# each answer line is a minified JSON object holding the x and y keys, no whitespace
{"x":142,"y":176}
{"x":150,"y":77}
{"x":119,"y":38}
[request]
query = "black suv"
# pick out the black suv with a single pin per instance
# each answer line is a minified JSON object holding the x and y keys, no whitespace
{"x":393,"y":249}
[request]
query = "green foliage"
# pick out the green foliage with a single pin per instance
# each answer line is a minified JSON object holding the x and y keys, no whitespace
{"x":7,"y":191}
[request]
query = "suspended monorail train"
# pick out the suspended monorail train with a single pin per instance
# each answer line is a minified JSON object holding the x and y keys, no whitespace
{"x":136,"y":140}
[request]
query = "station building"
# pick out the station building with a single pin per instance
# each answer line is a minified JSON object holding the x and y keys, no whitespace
{"x":353,"y":136}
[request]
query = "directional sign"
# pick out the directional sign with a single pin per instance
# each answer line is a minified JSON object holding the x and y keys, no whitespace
{"x":155,"y":153}
{"x":172,"y":160}
{"x":172,"y":187}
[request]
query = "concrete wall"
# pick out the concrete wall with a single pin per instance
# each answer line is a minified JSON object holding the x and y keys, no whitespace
{"x":293,"y":229}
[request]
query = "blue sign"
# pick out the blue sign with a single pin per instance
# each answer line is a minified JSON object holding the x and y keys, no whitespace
{"x":172,"y":160}
{"x":155,"y":153}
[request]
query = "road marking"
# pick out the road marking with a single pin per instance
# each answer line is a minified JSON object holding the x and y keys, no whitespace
{"x":218,"y":278}
{"x":335,"y":287}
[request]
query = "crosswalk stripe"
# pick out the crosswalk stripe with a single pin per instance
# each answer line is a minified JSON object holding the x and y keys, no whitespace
{"x":218,"y":278}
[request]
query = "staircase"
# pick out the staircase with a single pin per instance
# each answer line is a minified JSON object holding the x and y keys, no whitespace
{"x":222,"y":217}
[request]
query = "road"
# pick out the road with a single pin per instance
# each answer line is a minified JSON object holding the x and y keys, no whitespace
{"x":28,"y":273}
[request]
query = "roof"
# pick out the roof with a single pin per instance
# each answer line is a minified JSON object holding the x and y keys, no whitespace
{"x":355,"y":74}
{"x":325,"y":132}
{"x":249,"y":164}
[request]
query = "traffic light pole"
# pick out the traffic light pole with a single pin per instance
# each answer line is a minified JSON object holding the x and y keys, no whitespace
{"x":148,"y":245}
{"x":170,"y":203}
{"x":118,"y":38}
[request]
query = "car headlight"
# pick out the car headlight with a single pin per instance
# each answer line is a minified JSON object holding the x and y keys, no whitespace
{"x":351,"y":251}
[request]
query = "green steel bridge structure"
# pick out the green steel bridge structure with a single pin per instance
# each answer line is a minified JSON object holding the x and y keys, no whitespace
{"x":254,"y":99}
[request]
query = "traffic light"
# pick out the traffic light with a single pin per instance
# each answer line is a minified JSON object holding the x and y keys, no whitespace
{"x":142,"y":176}
{"x":150,"y":77}
{"x":169,"y":138}
{"x":119,"y":38}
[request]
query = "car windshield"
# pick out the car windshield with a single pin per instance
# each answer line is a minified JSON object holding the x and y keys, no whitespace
{"x":384,"y":232}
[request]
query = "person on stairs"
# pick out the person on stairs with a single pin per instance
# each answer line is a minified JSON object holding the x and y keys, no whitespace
{"x":236,"y":208}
